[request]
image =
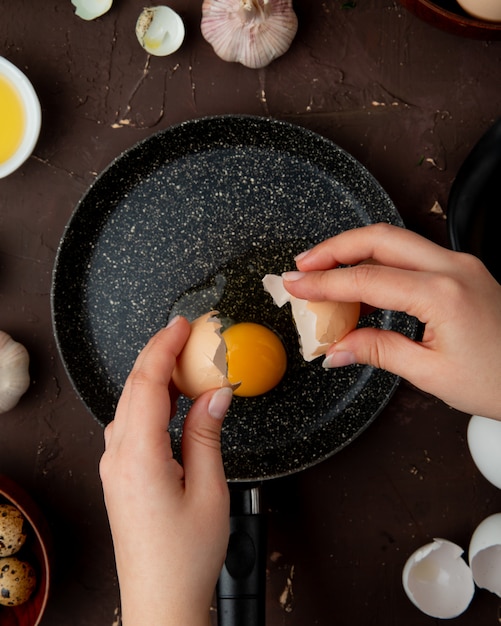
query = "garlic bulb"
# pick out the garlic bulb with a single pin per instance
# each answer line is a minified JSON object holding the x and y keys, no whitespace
{"x":90,"y":9}
{"x":14,"y":373}
{"x":251,"y":32}
{"x":160,"y":30}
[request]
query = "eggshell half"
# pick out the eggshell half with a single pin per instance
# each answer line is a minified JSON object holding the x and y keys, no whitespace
{"x":319,"y":324}
{"x":201,"y":366}
{"x":484,"y":442}
{"x":484,"y":554}
{"x":91,"y":9}
{"x":437,"y":580}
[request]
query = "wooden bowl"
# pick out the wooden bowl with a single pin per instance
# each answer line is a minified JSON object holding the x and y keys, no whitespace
{"x":36,"y":551}
{"x":449,"y":16}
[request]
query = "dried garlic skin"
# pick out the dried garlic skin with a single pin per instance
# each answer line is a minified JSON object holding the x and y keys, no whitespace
{"x":91,"y":9}
{"x":250,"y":32}
{"x":14,"y":372}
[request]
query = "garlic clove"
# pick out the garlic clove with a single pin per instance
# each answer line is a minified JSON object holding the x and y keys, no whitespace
{"x":14,"y":372}
{"x":250,"y":32}
{"x":90,"y":9}
{"x":160,"y":30}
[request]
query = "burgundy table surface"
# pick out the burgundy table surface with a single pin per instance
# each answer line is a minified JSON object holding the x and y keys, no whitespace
{"x":406,"y":99}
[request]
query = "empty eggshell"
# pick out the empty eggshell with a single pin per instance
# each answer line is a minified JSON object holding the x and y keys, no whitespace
{"x":484,"y":442}
{"x":90,"y":9}
{"x":202,"y":366}
{"x":484,"y":554}
{"x":437,"y":580}
{"x":160,"y":30}
{"x":319,"y":324}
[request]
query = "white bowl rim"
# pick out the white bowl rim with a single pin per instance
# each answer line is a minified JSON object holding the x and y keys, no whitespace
{"x":33,"y":116}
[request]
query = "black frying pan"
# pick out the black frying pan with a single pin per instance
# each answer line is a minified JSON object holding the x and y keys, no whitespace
{"x":474,"y":205}
{"x":191,"y":219}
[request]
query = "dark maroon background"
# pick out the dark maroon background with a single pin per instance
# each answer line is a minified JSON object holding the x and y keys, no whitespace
{"x":409,"y":101}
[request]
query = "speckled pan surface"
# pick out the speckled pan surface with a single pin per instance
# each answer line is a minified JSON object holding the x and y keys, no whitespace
{"x":191,"y":219}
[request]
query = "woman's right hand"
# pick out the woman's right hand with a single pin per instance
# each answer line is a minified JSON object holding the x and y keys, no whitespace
{"x":459,"y":356}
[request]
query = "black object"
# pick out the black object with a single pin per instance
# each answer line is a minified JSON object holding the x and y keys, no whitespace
{"x":474,"y":205}
{"x":241,"y":589}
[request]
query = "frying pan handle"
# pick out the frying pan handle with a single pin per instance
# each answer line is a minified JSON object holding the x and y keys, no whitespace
{"x":241,"y":589}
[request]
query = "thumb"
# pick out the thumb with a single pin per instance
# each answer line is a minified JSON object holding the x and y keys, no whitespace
{"x":384,"y":349}
{"x":201,"y":442}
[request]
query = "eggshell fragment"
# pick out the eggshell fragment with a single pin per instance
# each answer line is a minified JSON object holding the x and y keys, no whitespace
{"x":90,"y":9}
{"x":319,"y":324}
{"x":484,"y":554}
{"x":160,"y":30}
{"x":201,"y":366}
{"x":437,"y":580}
{"x":484,"y":442}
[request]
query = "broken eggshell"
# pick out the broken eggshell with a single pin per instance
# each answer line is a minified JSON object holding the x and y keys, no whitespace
{"x":160,"y":30}
{"x":484,"y":443}
{"x":437,"y":580}
{"x":90,"y":9}
{"x":202,"y":366}
{"x":318,"y":324}
{"x":484,"y":554}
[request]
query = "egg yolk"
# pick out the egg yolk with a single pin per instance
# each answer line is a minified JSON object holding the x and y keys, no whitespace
{"x":256,"y":358}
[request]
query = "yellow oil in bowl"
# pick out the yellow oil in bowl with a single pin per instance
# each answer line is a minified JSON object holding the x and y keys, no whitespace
{"x":12,"y":119}
{"x":20,"y":117}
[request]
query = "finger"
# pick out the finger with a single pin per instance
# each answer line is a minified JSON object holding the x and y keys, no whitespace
{"x":108,"y":434}
{"x":387,"y":244}
{"x":144,"y":407}
{"x":384,"y":349}
{"x":201,"y":442}
{"x":376,"y":285}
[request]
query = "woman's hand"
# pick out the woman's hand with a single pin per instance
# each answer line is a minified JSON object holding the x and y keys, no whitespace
{"x":459,"y":357}
{"x":170,"y":524}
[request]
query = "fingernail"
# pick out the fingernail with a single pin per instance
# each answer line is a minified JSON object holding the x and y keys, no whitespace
{"x":292,"y":276}
{"x":173,"y":321}
{"x":220,"y":403}
{"x":339,"y":359}
{"x":301,"y":255}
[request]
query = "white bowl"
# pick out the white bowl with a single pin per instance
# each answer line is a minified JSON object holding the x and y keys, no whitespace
{"x":32,"y":113}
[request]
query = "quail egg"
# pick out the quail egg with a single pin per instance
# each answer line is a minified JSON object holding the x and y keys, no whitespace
{"x":12,"y":530}
{"x":17,"y":581}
